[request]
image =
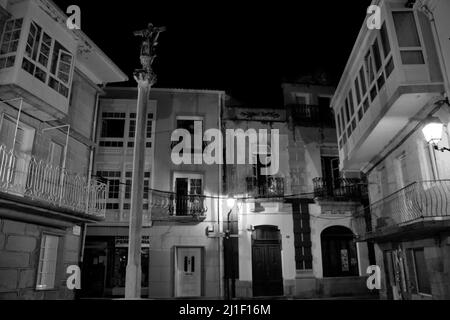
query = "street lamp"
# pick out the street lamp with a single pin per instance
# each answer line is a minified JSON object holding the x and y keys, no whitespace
{"x":432,"y":131}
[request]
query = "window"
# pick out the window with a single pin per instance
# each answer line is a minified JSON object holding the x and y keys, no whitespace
{"x":113,"y":178}
{"x":10,"y":43}
{"x":338,"y":124}
{"x":40,"y":51}
{"x":189,"y":190}
{"x":189,"y":184}
{"x":420,"y":281}
{"x":47,"y":262}
{"x":61,"y":67}
{"x":342,"y":122}
{"x":376,"y":55}
{"x":347,"y":111}
{"x":360,"y":114}
{"x":385,"y":41}
{"x":132,"y":129}
{"x":351,"y":103}
{"x":128,"y":185}
{"x":362,"y":77}
{"x":111,"y":144}
{"x":381,"y":81}
{"x":113,"y":125}
{"x":389,"y":67}
{"x":373,"y":93}
{"x":149,"y":125}
{"x":408,"y":37}
{"x":301,"y":99}
{"x":369,"y":67}
{"x":357,"y":91}
{"x":366,"y":105}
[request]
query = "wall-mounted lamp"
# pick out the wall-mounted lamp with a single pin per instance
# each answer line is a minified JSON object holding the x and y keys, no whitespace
{"x":432,"y":131}
{"x":231,"y":202}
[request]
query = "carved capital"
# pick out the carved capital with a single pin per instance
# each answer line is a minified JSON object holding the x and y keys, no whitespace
{"x":144,"y":78}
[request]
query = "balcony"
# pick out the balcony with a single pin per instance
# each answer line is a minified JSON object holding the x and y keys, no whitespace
{"x":25,"y":176}
{"x":421,"y":207}
{"x":170,"y":206}
{"x":310,"y":115}
{"x":269,"y":187}
{"x":390,"y":78}
{"x":37,"y":61}
{"x":340,"y":189}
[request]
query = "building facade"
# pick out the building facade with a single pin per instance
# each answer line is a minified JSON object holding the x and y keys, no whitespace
{"x":293,"y":227}
{"x":181,"y":246}
{"x":50,"y":79}
{"x":395,"y":79}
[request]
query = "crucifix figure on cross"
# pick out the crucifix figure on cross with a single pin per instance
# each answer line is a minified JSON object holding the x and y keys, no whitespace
{"x":150,"y":42}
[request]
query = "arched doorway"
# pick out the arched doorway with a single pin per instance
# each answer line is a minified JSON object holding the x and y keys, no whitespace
{"x":339,"y":256}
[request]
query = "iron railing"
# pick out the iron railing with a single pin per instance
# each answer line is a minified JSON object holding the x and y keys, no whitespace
{"x":311,"y":115}
{"x":265,"y":187}
{"x":340,"y":189}
{"x":26,"y":176}
{"x":420,"y":201}
{"x":178,"y":205}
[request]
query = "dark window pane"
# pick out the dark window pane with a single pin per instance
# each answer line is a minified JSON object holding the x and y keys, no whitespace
{"x":406,"y":28}
{"x":381,"y":81}
{"x":377,"y":55}
{"x":412,"y":57}
{"x":423,"y":281}
{"x":366,"y":105}
{"x":113,"y":128}
{"x":362,"y":77}
{"x":373,"y":93}
{"x":357,"y":91}
{"x":351,"y":103}
{"x":360,"y":114}
{"x":389,"y":67}
{"x":385,"y":40}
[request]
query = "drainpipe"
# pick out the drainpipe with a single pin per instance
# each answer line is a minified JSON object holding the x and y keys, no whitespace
{"x":91,"y":166}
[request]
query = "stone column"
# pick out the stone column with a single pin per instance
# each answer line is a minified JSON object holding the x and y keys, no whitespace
{"x":134,"y":271}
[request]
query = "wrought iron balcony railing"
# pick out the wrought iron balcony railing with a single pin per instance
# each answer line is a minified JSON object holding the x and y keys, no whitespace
{"x":311,"y":115}
{"x":340,"y":189}
{"x":26,"y":176}
{"x":266,"y":187}
{"x":420,"y":201}
{"x":171,"y":204}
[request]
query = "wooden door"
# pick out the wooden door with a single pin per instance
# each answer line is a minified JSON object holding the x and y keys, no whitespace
{"x":267,"y":270}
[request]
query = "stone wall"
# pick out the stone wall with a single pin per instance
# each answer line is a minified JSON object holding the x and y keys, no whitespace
{"x":19,"y":259}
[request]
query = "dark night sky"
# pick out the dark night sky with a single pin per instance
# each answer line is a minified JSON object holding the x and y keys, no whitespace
{"x":243,"y":47}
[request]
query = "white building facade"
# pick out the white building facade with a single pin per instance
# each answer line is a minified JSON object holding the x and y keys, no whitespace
{"x":395,"y":79}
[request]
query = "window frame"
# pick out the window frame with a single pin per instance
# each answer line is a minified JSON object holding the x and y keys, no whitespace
{"x":57,"y":266}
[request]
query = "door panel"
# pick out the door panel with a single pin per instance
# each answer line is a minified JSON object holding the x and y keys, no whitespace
{"x":267,"y":270}
{"x":188,"y":272}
